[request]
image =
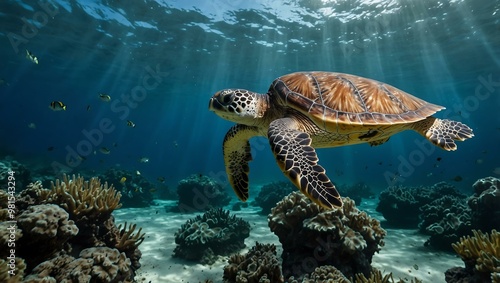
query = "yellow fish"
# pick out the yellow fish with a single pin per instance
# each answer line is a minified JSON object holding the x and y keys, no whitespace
{"x":104,"y":97}
{"x":123,"y":179}
{"x":57,"y":106}
{"x":104,"y":150}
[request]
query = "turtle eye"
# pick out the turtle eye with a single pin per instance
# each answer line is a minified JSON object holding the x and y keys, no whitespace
{"x":227,"y":98}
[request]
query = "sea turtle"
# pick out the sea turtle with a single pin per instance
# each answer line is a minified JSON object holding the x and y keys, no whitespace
{"x":306,"y":110}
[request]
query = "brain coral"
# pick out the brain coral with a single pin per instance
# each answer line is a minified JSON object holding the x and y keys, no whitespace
{"x":213,"y":233}
{"x":312,"y":236}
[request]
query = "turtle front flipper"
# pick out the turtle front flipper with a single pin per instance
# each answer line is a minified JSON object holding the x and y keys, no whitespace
{"x":237,"y":154}
{"x":299,"y":162}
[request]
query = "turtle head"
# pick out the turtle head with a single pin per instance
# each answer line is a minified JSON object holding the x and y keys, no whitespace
{"x":239,"y":105}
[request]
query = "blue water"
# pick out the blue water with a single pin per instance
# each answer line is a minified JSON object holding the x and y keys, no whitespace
{"x":169,"y":57}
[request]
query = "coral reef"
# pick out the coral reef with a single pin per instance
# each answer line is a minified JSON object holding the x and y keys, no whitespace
{"x":271,"y":194}
{"x":260,"y":264}
{"x":324,"y":274}
{"x":72,"y":218}
{"x":200,"y":193}
{"x":485,"y":204}
{"x":481,"y":255}
{"x":136,"y":190}
{"x":98,"y":264}
{"x":214,"y":233}
{"x":12,"y":274}
{"x":312,"y":236}
{"x":400,"y":205}
{"x":356,"y":192}
{"x":84,"y":198}
{"x":445,"y":219}
{"x":46,"y":229}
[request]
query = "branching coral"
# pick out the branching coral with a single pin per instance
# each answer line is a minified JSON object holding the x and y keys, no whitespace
{"x":128,"y":239}
{"x":376,"y":276}
{"x":482,"y":250}
{"x":84,"y":198}
{"x":8,"y":275}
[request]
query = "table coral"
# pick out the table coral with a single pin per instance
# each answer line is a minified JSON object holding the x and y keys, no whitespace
{"x":260,"y":264}
{"x":312,"y":236}
{"x":213,"y":233}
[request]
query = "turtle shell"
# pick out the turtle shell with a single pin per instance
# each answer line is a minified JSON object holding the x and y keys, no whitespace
{"x":336,"y":98}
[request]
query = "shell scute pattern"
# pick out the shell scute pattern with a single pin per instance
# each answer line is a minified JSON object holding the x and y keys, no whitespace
{"x":335,"y":98}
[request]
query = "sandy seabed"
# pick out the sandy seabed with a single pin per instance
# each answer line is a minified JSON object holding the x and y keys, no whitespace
{"x":404,"y":253}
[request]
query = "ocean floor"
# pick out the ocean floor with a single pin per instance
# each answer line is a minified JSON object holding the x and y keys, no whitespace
{"x":403,"y":254}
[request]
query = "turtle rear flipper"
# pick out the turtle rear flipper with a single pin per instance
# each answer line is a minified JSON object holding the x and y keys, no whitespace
{"x":299,"y":162}
{"x":237,"y":154}
{"x":443,"y":133}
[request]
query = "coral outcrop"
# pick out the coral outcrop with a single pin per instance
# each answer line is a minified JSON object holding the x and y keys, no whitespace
{"x":485,"y":204}
{"x":271,"y":194}
{"x":312,"y":236}
{"x":214,"y":233}
{"x":445,"y":219}
{"x":400,"y":205}
{"x":98,"y":264}
{"x":46,"y":229}
{"x":72,"y":218}
{"x":200,"y":193}
{"x":481,"y":255}
{"x":259,"y":265}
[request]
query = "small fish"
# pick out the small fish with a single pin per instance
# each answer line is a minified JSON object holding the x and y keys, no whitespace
{"x":123,"y":179}
{"x":104,"y":97}
{"x":458,"y":178}
{"x":104,"y":150}
{"x":161,"y":179}
{"x":144,"y":160}
{"x":479,"y":161}
{"x":130,"y":124}
{"x":415,"y":266}
{"x":57,"y":106}
{"x":50,"y":148}
{"x":88,"y":107}
{"x":496,"y":170}
{"x":32,"y":126}
{"x":137,"y":173}
{"x":380,"y":163}
{"x":82,"y":158}
{"x":438,"y":159}
{"x":152,"y":190}
{"x":115,"y":144}
{"x":429,"y":175}
{"x":175,"y":144}
{"x":31,"y":57}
